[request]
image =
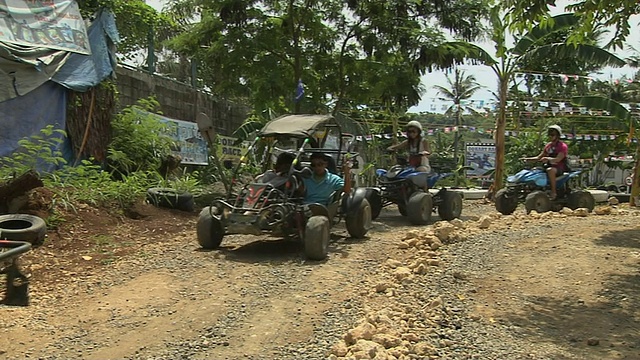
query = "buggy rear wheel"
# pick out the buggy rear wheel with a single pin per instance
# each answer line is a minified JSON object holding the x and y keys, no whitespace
{"x":209,"y":230}
{"x":505,"y":204}
{"x":451,"y":206}
{"x":316,"y":238}
{"x":538,"y":201}
{"x":419,"y":208}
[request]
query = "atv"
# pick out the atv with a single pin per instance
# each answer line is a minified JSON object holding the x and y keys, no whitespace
{"x":408,"y":189}
{"x":277,"y":208}
{"x":531,"y":186}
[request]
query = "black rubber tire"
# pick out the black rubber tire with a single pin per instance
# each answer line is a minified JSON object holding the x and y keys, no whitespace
{"x":402,"y":209}
{"x":505,"y":205}
{"x":538,"y":201}
{"x":451,"y":206}
{"x":375,"y":201}
{"x":581,"y":199}
{"x":419,"y":208}
{"x":612,"y":188}
{"x":316,"y":238}
{"x":23,"y":227}
{"x":170,"y":198}
{"x":359,"y":223}
{"x":209,"y":230}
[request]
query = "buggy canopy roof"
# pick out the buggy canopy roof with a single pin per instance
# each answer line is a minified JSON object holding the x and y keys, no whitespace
{"x":301,"y":125}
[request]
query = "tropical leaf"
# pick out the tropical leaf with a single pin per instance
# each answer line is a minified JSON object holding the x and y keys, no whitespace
{"x":448,"y":54}
{"x":247,"y":128}
{"x":602,"y":103}
{"x":542,"y":30}
{"x":587,"y":53}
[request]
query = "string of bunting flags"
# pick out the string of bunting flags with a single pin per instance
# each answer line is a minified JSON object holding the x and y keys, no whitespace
{"x":491,"y":104}
{"x":450,"y":129}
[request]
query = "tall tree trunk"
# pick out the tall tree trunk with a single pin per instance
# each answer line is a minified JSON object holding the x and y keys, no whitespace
{"x":635,"y":187}
{"x":501,"y":124}
{"x":297,"y":56}
{"x":456,"y":137}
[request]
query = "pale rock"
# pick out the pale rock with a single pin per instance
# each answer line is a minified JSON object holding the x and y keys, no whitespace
{"x":495,"y":215}
{"x":410,"y":337}
{"x":623,"y":212}
{"x":603,"y":210}
{"x":412,"y":234}
{"x":435,"y":303}
{"x":387,"y":340}
{"x":435,"y":244}
{"x":364,"y":331}
{"x":402,"y":273}
{"x":412,"y":242}
{"x":433,"y":262}
{"x":582,"y":212}
{"x":367,"y":347}
{"x":403,"y":245}
{"x":443,"y":230}
{"x":382,"y":287}
{"x":424,"y":348}
{"x":360,"y":355}
{"x":333,"y":357}
{"x":339,"y":349}
{"x":484,"y":222}
{"x":547,"y":215}
{"x":420,"y":269}
{"x":613,"y":201}
{"x":459,"y":224}
{"x":393,"y":263}
{"x":566,"y":211}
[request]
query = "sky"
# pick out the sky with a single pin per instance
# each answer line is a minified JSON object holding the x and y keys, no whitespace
{"x":485,"y":76}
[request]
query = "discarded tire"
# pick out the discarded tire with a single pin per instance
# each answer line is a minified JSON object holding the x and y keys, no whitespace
{"x":22,"y":227}
{"x":170,"y":198}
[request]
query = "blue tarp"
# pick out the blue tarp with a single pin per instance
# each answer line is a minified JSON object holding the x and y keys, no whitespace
{"x":25,"y":116}
{"x":81,"y":72}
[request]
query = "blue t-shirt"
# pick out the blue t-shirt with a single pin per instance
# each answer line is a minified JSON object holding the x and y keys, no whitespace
{"x":319,"y":191}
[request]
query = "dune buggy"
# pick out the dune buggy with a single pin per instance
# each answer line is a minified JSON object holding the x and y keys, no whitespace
{"x":277,"y":208}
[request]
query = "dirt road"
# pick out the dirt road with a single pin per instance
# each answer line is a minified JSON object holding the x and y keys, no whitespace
{"x":515,"y":287}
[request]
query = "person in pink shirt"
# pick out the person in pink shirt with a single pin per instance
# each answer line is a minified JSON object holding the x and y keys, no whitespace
{"x":555,"y":154}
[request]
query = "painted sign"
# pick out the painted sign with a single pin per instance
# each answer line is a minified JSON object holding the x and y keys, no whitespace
{"x":189,"y":143}
{"x":52,"y":24}
{"x":227,"y":150}
{"x":480,"y":157}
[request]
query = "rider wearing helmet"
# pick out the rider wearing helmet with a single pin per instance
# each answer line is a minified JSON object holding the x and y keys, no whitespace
{"x":417,"y":146}
{"x":555,"y":154}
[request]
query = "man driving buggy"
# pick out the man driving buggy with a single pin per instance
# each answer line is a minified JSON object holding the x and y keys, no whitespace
{"x":555,"y":155}
{"x":322,"y":183}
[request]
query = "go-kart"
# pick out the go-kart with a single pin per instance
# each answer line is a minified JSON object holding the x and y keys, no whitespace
{"x":531,"y":186}
{"x":408,"y":189}
{"x":278,"y":208}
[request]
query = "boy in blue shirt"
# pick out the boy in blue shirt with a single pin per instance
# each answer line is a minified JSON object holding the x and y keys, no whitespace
{"x":323,"y":183}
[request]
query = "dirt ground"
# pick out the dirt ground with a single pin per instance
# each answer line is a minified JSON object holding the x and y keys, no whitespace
{"x":110,"y":287}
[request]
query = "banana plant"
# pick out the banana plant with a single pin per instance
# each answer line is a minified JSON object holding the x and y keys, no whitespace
{"x":506,"y":63}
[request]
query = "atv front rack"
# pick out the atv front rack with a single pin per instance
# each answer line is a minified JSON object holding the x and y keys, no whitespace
{"x":17,"y":292}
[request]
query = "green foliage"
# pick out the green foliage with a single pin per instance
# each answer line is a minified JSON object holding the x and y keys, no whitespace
{"x":139,"y":139}
{"x":136,"y":22}
{"x":38,"y":151}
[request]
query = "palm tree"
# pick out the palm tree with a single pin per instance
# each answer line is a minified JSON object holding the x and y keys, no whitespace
{"x":507,"y":62}
{"x":462,"y":87}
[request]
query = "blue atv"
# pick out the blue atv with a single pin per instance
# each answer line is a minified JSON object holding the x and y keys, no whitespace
{"x":531,"y":186}
{"x":407,"y":188}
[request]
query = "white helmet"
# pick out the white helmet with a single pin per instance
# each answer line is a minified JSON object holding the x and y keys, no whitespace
{"x":415,"y":124}
{"x":556,"y":128}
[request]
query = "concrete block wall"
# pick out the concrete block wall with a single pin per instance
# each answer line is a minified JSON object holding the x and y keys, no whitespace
{"x":177,"y":100}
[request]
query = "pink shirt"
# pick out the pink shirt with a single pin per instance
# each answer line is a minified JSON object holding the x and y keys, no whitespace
{"x":553,"y":150}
